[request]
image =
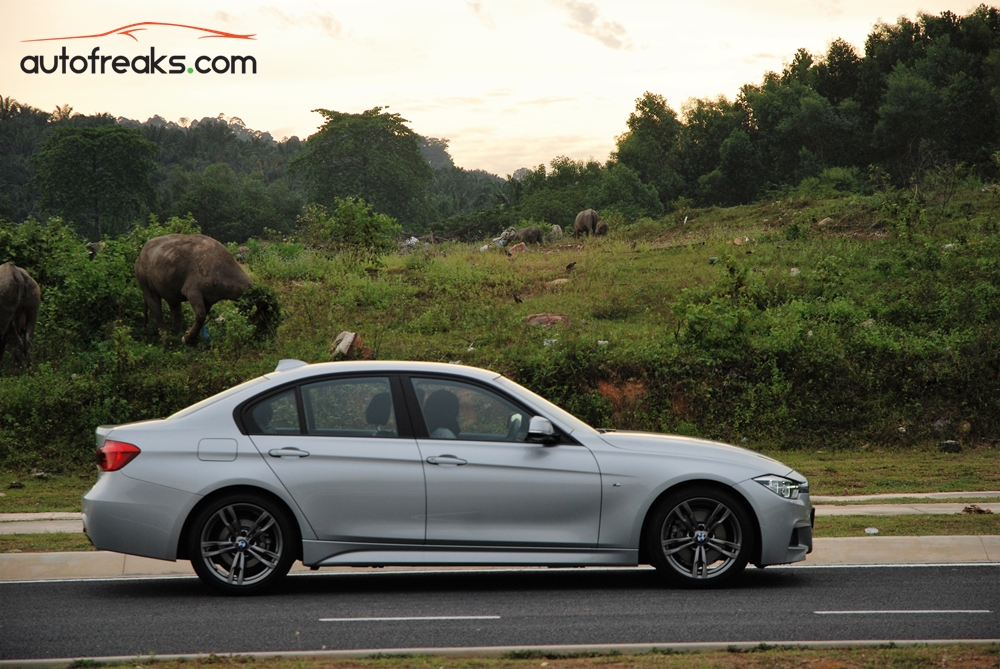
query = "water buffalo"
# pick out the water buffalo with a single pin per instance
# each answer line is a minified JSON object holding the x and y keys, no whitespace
{"x":601,"y":229}
{"x":586,"y":222}
{"x":530,"y":235}
{"x":20,"y":298}
{"x":187,"y":268}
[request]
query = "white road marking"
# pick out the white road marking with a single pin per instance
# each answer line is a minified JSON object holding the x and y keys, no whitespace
{"x":853,"y":613}
{"x":405,"y":618}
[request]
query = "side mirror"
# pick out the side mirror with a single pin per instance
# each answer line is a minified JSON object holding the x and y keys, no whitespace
{"x":540,"y":430}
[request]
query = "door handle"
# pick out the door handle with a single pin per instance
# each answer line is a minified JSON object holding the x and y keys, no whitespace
{"x":287,"y":452}
{"x":447,"y":460}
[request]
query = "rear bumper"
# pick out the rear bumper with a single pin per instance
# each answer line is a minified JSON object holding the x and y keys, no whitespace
{"x":128,"y":516}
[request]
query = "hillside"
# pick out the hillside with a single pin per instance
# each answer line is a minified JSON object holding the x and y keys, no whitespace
{"x":815,"y":319}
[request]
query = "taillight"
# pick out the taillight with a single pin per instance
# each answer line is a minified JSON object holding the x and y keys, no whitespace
{"x":114,"y":455}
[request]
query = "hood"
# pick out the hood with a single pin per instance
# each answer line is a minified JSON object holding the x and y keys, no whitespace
{"x":689,"y":447}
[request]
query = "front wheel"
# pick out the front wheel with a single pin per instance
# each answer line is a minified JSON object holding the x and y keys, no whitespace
{"x":242,"y":544}
{"x":700,"y":538}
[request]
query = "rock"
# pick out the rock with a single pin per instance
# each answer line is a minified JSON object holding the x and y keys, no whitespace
{"x":557,"y":232}
{"x":868,"y":323}
{"x":556,"y":282}
{"x":547,"y":320}
{"x":950,"y":446}
{"x":349,"y":346}
{"x":794,"y":271}
{"x":825,"y":221}
{"x":738,"y":241}
{"x":15,"y":485}
{"x":518,"y":248}
{"x":941,"y":425}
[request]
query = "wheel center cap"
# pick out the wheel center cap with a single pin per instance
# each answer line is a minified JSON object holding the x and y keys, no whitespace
{"x":701,"y":536}
{"x":241,"y":543}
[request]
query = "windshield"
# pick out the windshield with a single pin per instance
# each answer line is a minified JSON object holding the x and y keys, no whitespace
{"x":567,"y":419}
{"x":215,"y":398}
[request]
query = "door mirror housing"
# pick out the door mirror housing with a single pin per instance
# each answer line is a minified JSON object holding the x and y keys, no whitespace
{"x":540,"y":430}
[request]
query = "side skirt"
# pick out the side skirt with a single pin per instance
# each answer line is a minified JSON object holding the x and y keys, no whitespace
{"x":335,"y":553}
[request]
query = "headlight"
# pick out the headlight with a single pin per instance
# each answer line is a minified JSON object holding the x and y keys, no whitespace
{"x":783,"y":487}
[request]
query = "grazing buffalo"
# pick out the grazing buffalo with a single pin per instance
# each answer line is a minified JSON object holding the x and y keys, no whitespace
{"x":586,"y":222}
{"x":187,"y":268}
{"x":530,"y":235}
{"x":20,"y":298}
{"x":601,"y":229}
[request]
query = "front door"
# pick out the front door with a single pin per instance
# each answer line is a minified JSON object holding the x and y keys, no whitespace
{"x":487,"y":486}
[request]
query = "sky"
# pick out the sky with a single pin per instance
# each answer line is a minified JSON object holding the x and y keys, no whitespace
{"x":510,"y":83}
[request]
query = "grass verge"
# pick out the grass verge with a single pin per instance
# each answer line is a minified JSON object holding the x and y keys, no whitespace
{"x":864,"y":471}
{"x":837,"y":472}
{"x":910,"y":657}
{"x":56,"y":492}
{"x":44,"y":543}
{"x":826,"y":526}
{"x":911,"y":526}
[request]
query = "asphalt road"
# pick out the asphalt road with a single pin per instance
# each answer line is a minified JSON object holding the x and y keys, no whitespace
{"x":499,"y":608}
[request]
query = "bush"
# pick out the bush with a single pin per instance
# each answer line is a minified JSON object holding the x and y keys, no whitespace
{"x":353,"y":229}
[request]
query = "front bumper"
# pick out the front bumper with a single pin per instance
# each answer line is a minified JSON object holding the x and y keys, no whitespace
{"x":785,"y":524}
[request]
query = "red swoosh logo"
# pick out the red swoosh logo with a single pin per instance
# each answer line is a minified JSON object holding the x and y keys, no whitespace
{"x":133,"y":27}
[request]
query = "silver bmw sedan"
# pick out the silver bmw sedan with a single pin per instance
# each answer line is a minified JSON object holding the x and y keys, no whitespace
{"x":415,"y":463}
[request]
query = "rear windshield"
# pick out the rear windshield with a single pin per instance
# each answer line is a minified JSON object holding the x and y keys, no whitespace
{"x":208,"y":401}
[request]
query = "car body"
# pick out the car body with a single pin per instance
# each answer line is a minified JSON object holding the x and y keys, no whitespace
{"x":373,"y":463}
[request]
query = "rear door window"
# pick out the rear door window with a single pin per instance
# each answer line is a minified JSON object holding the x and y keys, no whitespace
{"x":350,"y":407}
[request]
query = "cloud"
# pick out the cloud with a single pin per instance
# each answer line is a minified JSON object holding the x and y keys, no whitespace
{"x":585,"y":18}
{"x":477,"y":8}
{"x":325,"y":22}
{"x":759,"y":56}
{"x":830,"y":8}
{"x":549,"y":100}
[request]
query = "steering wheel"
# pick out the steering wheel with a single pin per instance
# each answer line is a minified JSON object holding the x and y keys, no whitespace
{"x":513,"y":426}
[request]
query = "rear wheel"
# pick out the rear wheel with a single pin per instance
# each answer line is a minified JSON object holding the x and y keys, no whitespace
{"x":700,"y":538}
{"x":242,"y":544}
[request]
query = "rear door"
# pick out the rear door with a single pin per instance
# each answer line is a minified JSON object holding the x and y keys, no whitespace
{"x":338,"y":448}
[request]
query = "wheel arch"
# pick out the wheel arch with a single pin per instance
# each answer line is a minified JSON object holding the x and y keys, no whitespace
{"x":182,"y":540}
{"x":700,"y":484}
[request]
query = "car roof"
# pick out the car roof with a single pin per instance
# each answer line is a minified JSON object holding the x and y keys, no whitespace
{"x":376,"y":366}
{"x":296,"y":370}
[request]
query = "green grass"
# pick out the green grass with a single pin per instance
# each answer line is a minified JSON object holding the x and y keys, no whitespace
{"x":923,"y":525}
{"x":895,"y":470}
{"x":57,"y":492}
{"x":44,"y":543}
{"x":915,"y":500}
{"x":758,"y":657}
{"x":836,"y":472}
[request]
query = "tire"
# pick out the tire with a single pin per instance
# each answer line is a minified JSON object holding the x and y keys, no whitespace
{"x":700,"y":537}
{"x":242,"y":544}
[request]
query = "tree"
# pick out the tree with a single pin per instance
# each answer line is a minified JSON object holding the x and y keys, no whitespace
{"x":649,"y":146}
{"x":371,"y":155}
{"x":97,"y":177}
